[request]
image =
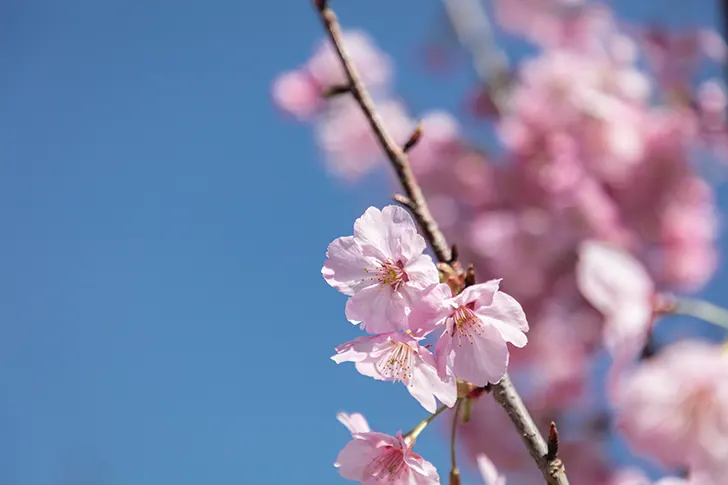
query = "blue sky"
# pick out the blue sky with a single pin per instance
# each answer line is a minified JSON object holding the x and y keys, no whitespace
{"x":162,"y":315}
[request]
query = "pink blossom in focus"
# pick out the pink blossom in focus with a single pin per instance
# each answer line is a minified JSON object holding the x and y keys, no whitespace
{"x":376,"y":458}
{"x":478,"y":323}
{"x":489,"y":472}
{"x":398,"y":356}
{"x":382,"y":268}
{"x":674,"y":407}
{"x":355,"y":423}
{"x":619,"y":287}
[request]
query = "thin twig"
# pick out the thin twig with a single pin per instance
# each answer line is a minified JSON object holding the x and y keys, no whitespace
{"x":504,"y":392}
{"x":553,"y":470}
{"x":394,"y":152}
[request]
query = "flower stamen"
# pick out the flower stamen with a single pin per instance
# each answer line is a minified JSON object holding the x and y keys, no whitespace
{"x":388,"y":466}
{"x":466,"y":324}
{"x":396,"y":365}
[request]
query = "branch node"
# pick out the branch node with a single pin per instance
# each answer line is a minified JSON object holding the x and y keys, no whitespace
{"x":404,"y":200}
{"x":321,"y":5}
{"x":413,"y":139}
{"x":334,"y":91}
{"x":470,"y":276}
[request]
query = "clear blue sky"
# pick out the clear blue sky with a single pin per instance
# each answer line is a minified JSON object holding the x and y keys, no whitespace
{"x":162,"y":315}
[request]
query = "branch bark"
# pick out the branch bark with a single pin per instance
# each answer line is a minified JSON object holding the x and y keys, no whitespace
{"x":504,"y":392}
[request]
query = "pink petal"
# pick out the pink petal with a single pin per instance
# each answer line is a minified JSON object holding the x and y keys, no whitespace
{"x":426,"y":384}
{"x":345,"y":268}
{"x":482,"y":358}
{"x":481,"y":294}
{"x":388,"y":233}
{"x":432,"y":307}
{"x":354,"y":458}
{"x":355,"y":422}
{"x":507,"y":316}
{"x":380,"y":309}
{"x":422,"y":272}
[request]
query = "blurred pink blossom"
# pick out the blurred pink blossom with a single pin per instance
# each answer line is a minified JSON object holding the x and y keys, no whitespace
{"x":674,"y":407}
{"x":617,"y":285}
{"x":346,"y":139}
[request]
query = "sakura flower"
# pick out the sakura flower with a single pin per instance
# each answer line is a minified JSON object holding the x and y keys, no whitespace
{"x":618,"y":286}
{"x":375,"y":458}
{"x":355,"y":423}
{"x":382,"y":268}
{"x":478,"y":323}
{"x":489,"y":472}
{"x":397,"y":356}
{"x":675,"y":407}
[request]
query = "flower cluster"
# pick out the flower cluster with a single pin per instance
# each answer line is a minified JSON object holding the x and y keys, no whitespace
{"x":395,"y":295}
{"x":590,"y":208}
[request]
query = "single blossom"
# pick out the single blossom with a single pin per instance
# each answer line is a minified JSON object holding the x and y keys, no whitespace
{"x":397,"y":356}
{"x":489,"y":472}
{"x":478,"y":322}
{"x":620,"y":288}
{"x":376,"y":458}
{"x":674,"y":407}
{"x":382,"y":268}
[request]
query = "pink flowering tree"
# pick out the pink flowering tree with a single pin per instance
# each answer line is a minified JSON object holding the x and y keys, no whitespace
{"x":502,"y":281}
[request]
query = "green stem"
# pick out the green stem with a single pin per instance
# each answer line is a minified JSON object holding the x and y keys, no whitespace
{"x":453,"y":433}
{"x":701,"y":309}
{"x":415,"y":432}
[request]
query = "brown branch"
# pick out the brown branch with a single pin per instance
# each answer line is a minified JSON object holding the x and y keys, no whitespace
{"x":395,"y":154}
{"x":504,"y":392}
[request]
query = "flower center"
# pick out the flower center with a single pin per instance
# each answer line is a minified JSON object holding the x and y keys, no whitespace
{"x":466,"y":324}
{"x":391,"y":274}
{"x":388,"y":466}
{"x":396,"y":365}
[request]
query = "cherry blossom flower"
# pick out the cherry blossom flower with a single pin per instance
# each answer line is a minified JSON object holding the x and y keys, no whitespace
{"x":675,"y":406}
{"x":382,"y":268}
{"x":478,"y":322}
{"x":374,"y":458}
{"x":397,"y":356}
{"x":619,"y":287}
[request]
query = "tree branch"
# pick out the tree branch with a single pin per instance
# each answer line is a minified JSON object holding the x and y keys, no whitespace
{"x":504,"y":391}
{"x":395,"y":154}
